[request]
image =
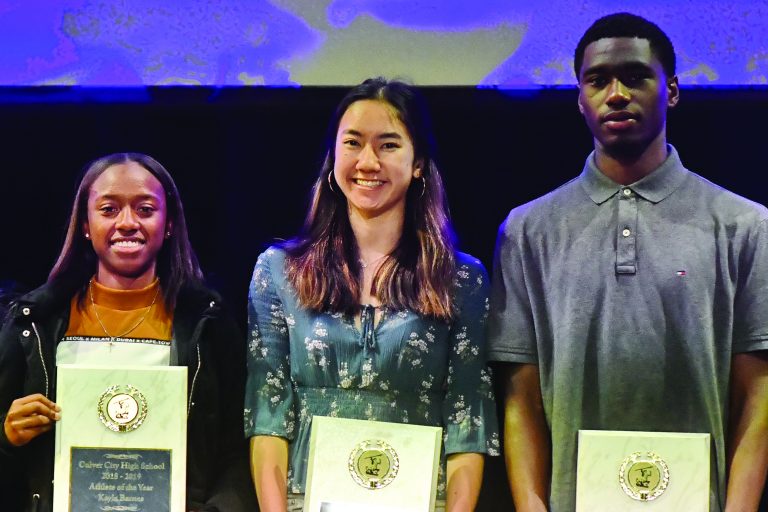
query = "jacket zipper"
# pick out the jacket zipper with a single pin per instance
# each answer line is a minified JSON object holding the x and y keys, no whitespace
{"x":195,"y":338}
{"x":42,"y":359}
{"x":36,"y":496}
{"x":194,"y":380}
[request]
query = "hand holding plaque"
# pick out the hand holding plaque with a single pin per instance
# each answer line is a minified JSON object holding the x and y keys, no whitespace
{"x":28,"y":417}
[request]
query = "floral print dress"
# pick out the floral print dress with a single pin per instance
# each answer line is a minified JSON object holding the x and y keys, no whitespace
{"x":405,"y":368}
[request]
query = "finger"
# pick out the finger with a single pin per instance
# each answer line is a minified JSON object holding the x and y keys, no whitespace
{"x":28,"y":434}
{"x":32,"y":409}
{"x":22,"y":437}
{"x":36,"y":431}
{"x":44,"y":428}
{"x":30,"y":422}
{"x":37,"y":397}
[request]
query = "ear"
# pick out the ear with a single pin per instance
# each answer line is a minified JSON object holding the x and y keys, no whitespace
{"x":578,"y":101}
{"x":418,"y":169}
{"x":168,"y":229}
{"x":673,"y":91}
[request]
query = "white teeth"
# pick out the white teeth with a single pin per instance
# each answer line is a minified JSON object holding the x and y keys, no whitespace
{"x":127,"y":243}
{"x":369,"y":183}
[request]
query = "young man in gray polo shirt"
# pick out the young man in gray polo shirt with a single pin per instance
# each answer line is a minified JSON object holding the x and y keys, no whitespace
{"x":634,"y":297}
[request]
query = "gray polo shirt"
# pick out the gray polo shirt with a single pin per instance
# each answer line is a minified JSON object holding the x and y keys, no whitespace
{"x":631,"y":300}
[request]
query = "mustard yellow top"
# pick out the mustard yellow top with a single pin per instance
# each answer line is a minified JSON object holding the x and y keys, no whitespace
{"x":119,"y":311}
{"x":128,"y":327}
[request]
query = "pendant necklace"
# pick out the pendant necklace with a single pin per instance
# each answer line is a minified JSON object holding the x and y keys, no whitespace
{"x":365,"y":265}
{"x":103,"y":328}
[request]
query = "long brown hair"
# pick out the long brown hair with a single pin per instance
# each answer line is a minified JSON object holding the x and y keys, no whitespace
{"x":176,"y":262}
{"x":323,"y":261}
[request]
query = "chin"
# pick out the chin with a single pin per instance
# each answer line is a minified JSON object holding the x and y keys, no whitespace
{"x":626,"y":149}
{"x":132,"y":272}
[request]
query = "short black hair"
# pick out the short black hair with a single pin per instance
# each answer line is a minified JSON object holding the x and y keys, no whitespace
{"x":624,"y":24}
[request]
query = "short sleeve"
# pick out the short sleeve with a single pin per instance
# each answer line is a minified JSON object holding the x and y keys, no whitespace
{"x":751,"y":304}
{"x":269,"y":397}
{"x":469,"y":409}
{"x":511,"y":332}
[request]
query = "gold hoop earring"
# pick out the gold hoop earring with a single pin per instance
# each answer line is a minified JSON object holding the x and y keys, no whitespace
{"x":424,"y":186}
{"x":330,"y":184}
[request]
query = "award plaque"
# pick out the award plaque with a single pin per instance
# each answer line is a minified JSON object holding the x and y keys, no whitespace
{"x":371,"y":465}
{"x":642,"y":471}
{"x":121,"y":442}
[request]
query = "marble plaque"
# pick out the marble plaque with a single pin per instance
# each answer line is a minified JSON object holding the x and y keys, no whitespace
{"x":642,"y":471}
{"x":371,"y":465}
{"x":121,"y":441}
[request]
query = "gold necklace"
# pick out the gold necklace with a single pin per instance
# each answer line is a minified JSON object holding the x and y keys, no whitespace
{"x":112,"y":338}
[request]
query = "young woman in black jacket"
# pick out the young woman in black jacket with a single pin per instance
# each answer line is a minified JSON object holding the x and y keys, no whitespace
{"x":126,"y":282}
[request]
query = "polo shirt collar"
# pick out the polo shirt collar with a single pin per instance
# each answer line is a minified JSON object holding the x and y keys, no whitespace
{"x":655,"y":187}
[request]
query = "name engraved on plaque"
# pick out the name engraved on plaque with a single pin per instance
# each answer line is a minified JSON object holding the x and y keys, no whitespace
{"x":115,"y":479}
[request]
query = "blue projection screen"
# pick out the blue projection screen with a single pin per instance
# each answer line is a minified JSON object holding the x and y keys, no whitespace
{"x":504,"y":43}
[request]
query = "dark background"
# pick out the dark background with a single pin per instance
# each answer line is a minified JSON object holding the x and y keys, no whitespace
{"x":244,"y":160}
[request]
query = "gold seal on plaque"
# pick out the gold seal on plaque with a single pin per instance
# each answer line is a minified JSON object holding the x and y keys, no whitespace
{"x":373,"y":464}
{"x":644,"y":476}
{"x":122,"y":408}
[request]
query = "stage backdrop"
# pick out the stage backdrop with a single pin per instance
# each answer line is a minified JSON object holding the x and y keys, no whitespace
{"x":505,"y":43}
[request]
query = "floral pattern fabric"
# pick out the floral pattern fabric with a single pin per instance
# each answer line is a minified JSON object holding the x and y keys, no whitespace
{"x":406,"y":368}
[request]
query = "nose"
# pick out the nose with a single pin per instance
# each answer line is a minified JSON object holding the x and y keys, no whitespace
{"x":368,"y":160}
{"x":618,"y":94}
{"x":126,"y":220}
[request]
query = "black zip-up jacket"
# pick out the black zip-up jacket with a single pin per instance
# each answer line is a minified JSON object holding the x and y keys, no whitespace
{"x":205,"y":340}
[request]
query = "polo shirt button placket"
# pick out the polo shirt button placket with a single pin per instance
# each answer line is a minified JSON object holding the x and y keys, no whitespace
{"x":626,"y":254}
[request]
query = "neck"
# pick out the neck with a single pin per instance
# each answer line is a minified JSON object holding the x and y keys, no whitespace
{"x":376,"y":235}
{"x":116,"y":282}
{"x":624,"y":169}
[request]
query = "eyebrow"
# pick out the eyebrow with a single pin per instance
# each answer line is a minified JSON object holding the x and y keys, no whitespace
{"x":624,"y":66}
{"x":113,"y":197}
{"x":385,"y":135}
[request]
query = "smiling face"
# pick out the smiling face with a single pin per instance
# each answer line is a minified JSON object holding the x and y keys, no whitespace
{"x":624,"y":95}
{"x":127,"y":222}
{"x":374,"y":159}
